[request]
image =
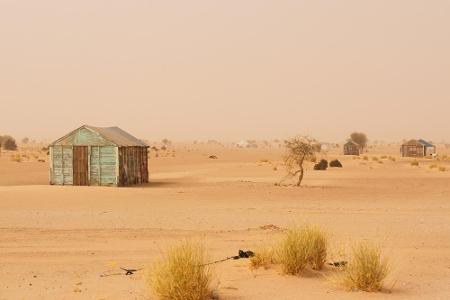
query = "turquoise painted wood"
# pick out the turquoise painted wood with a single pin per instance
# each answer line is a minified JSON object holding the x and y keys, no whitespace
{"x":94,"y":166}
{"x":108,"y":165}
{"x":103,"y":164}
{"x":84,"y":137}
{"x":62,"y":165}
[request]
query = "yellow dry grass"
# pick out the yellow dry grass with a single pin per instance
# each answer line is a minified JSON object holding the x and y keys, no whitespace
{"x":303,"y":246}
{"x":182,"y":274}
{"x":366,"y":270}
{"x":263,"y":258}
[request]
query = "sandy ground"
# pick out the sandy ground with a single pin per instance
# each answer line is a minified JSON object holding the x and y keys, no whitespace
{"x":55,"y":241}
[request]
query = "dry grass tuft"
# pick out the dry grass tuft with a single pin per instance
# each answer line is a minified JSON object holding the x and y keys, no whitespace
{"x":442,"y":169}
{"x":392,"y":158}
{"x":182,"y":274}
{"x":263,"y":258}
{"x":302,"y":246}
{"x":365,"y":157}
{"x":415,"y":163}
{"x":16,"y":158}
{"x":366,"y":270}
{"x":433,"y":166}
{"x":318,"y":243}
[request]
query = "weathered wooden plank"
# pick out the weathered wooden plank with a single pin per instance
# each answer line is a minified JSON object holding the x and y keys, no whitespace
{"x":84,"y":137}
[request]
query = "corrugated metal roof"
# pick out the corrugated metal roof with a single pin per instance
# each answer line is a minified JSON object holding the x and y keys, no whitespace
{"x":113,"y":135}
{"x":117,"y":136}
{"x":412,"y":143}
{"x":420,"y":142}
{"x":425,"y":143}
{"x":351,"y":143}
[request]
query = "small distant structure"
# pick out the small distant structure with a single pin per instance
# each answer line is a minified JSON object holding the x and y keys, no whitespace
{"x":352,"y":148}
{"x":103,"y":156}
{"x":417,"y":148}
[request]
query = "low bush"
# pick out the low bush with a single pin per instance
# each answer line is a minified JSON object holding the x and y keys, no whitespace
{"x":8,"y":143}
{"x":335,"y":164}
{"x":442,"y":169}
{"x":263,"y":258}
{"x":322,"y":165}
{"x":415,"y":163}
{"x":366,"y":270}
{"x":182,"y":273}
{"x":301,"y":247}
{"x":16,"y":158}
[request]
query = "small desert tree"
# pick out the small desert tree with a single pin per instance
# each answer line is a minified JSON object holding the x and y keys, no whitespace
{"x":359,"y":138}
{"x":299,"y":150}
{"x":8,"y":142}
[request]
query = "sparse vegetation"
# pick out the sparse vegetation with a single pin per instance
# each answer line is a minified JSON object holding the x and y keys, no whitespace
{"x":322,"y":165}
{"x":433,"y":166}
{"x":335,"y":164}
{"x":16,"y":158}
{"x":359,"y":138}
{"x":299,"y":149}
{"x":8,"y":143}
{"x":415,"y":163}
{"x":263,"y":258}
{"x":365,"y":157}
{"x":182,"y":273}
{"x":366,"y":270}
{"x":301,"y":247}
{"x":391,"y":158}
{"x":442,"y":169}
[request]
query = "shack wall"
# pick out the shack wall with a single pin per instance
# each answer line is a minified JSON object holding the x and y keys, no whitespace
{"x":61,"y":170}
{"x":133,"y":165}
{"x":102,"y":165}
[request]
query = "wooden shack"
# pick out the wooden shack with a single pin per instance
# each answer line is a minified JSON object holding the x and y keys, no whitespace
{"x":98,"y":156}
{"x":417,"y":148}
{"x":352,"y":148}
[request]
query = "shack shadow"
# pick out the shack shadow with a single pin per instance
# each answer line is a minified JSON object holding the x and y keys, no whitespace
{"x":154,"y":184}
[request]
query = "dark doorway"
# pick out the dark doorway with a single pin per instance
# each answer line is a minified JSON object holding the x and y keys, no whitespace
{"x":80,"y":165}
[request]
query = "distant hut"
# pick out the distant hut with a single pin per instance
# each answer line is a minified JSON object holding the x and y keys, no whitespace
{"x":417,"y":148}
{"x":352,"y":148}
{"x":98,"y":156}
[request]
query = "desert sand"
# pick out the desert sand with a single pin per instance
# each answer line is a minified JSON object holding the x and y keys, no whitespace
{"x":56,"y":241}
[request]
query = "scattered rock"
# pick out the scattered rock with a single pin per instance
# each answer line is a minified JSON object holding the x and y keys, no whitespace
{"x":213,"y":157}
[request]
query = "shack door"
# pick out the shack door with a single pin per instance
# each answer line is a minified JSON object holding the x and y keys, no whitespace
{"x":80,"y":165}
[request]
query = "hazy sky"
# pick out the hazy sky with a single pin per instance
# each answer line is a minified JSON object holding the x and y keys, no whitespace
{"x":226,"y":69}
